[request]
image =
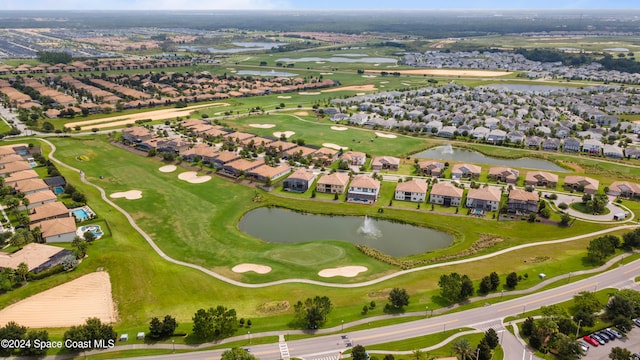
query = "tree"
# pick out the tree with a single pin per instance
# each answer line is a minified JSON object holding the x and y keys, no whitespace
{"x":40,"y":335}
{"x":79,"y":197}
{"x":587,"y":301}
{"x":22,"y":271}
{"x":598,"y":203}
{"x":618,"y":353}
{"x":455,"y":287}
{"x":491,"y":337}
{"x":462,"y":348}
{"x":237,"y":354}
{"x":93,"y":331}
{"x":21,"y":237}
{"x":80,"y":245}
{"x":207,"y":324}
{"x":389,"y":357}
{"x":203,"y":324}
{"x":631,"y":240}
{"x":484,"y":350}
{"x":566,"y":348}
{"x":89,"y":236}
{"x":600,"y":248}
{"x":495,"y":280}
{"x":398,"y":298}
{"x":512,"y":280}
{"x":155,"y":328}
{"x":485,"y":285}
{"x":565,"y":219}
{"x":313,"y":312}
{"x":11,"y":331}
{"x":169,"y":326}
{"x":359,"y":353}
{"x":527,"y":326}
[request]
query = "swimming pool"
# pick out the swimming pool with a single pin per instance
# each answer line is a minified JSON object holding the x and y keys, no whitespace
{"x":94,"y":229}
{"x":81,"y":214}
{"x":58,"y":190}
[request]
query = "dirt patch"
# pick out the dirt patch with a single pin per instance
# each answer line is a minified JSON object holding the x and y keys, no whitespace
{"x":574,"y":166}
{"x":369,"y":87}
{"x":346,"y":271}
{"x":286,"y":134}
{"x":168,"y":168}
{"x":447,"y":72}
{"x":193,"y":178}
{"x":65,"y":305}
{"x":260,"y":269}
{"x":284,"y":97}
{"x":131,"y":118}
{"x":273,"y":307}
{"x":301,"y":113}
{"x":383,"y":135}
{"x":262,"y":126}
{"x":334,"y":146}
{"x":129,"y":195}
{"x":339,"y":128}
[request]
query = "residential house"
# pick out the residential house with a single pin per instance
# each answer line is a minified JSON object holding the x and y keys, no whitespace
{"x":5,"y":159}
{"x":522,"y":201}
{"x":335,"y":183}
{"x":414,"y":190}
{"x":447,"y":131}
{"x":624,"y":188}
{"x":136,"y":134}
{"x":201,"y":151}
{"x":592,"y":146}
{"x":38,"y":198}
{"x":504,"y":174}
{"x":225,"y":157}
{"x":363,"y":189}
{"x":445,"y":193}
{"x":533,"y":142}
{"x":326,"y":155}
{"x":57,"y":230}
{"x":239,"y":136}
{"x":264,"y":172}
{"x":38,"y":257}
{"x":571,"y":144}
{"x":355,"y":158}
{"x":48,"y":211}
{"x":461,"y":171}
{"x":515,"y":136}
{"x":301,"y":151}
{"x":632,"y":152}
{"x":240,"y":166}
{"x":30,"y":186}
{"x":496,"y":136}
{"x":55,"y":182}
{"x":300,"y":181}
{"x":582,"y":183}
{"x":431,"y":168}
{"x":280,"y":146}
{"x":480,"y":133}
{"x":486,"y":198}
{"x":12,"y":179}
{"x":176,"y":145}
{"x":385,"y":163}
{"x":613,"y":151}
{"x":551,"y":144}
{"x":13,"y":167}
{"x":541,"y":179}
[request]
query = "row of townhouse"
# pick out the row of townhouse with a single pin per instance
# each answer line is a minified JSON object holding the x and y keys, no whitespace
{"x":45,"y":211}
{"x":91,"y":65}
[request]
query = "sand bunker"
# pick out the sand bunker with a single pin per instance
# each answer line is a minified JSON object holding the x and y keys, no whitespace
{"x":339,"y":128}
{"x":65,"y":305}
{"x":260,"y":269}
{"x":327,"y":73}
{"x":368,"y":76}
{"x":308,"y":93}
{"x":262,"y":126}
{"x":384,"y":82}
{"x":334,"y":146}
{"x":286,"y":134}
{"x":360,"y":94}
{"x":168,"y":168}
{"x":346,"y":271}
{"x":301,"y":113}
{"x":284,"y":97}
{"x":129,"y":195}
{"x":383,"y":135}
{"x":192,"y":177}
{"x":369,"y":87}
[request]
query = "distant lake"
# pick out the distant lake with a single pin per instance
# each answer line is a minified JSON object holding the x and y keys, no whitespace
{"x":464,"y":155}
{"x":242,"y":47}
{"x":521,"y":87}
{"x":265,"y":73}
{"x":336,"y":59}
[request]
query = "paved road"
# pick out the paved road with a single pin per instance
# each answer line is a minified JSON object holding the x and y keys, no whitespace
{"x":568,"y":199}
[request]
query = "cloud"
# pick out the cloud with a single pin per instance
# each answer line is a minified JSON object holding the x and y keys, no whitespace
{"x":144,"y":5}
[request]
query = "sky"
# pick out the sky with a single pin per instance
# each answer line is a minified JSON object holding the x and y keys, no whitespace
{"x":310,"y":4}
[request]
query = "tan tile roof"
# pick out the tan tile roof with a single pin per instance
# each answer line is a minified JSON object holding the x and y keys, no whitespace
{"x":337,"y":178}
{"x":364,"y":181}
{"x":244,"y":164}
{"x":302,"y":174}
{"x":413,"y":186}
{"x":48,"y":210}
{"x":618,"y":185}
{"x":9,"y":158}
{"x":445,"y":188}
{"x":523,"y":195}
{"x":40,"y":196}
{"x":430,"y":163}
{"x":380,"y":160}
{"x":474,"y":169}
{"x":56,"y":227}
{"x":239,"y":135}
{"x":227,"y":156}
{"x":588,"y":182}
{"x":14,"y":167}
{"x":30,"y":185}
{"x":267,"y":171}
{"x":32,"y":254}
{"x":534,"y":176}
{"x":486,"y":193}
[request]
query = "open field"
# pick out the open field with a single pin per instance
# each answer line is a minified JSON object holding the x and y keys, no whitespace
{"x":449,"y":72}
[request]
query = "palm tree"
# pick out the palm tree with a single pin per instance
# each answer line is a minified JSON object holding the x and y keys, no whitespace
{"x":462,"y":348}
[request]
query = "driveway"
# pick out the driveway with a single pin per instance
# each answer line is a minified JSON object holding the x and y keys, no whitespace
{"x":568,"y":199}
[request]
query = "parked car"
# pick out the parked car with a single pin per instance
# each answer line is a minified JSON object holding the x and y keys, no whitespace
{"x":605,"y":335}
{"x":615,"y":333}
{"x":636,"y":321}
{"x":590,"y":340}
{"x":599,"y":339}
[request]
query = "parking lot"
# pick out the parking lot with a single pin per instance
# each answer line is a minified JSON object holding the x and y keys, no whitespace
{"x":631,"y":342}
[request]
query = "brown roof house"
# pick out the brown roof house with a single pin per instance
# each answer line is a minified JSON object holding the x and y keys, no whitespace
{"x":38,"y":257}
{"x":624,"y":188}
{"x":385,"y":163}
{"x":355,"y":158}
{"x":12,"y":179}
{"x":445,"y":193}
{"x":136,"y":134}
{"x":335,"y":183}
{"x":414,"y":190}
{"x":541,"y":178}
{"x":57,"y":230}
{"x":31,"y":186}
{"x":504,"y":174}
{"x":264,"y":172}
{"x":363,"y":190}
{"x":582,"y":183}
{"x":486,"y":198}
{"x":241,"y":166}
{"x":431,"y":168}
{"x":460,"y":171}
{"x":13,"y":167}
{"x":48,"y":211}
{"x":300,"y":181}
{"x":201,"y":151}
{"x":39,"y":198}
{"x":522,"y":201}
{"x":225,"y":157}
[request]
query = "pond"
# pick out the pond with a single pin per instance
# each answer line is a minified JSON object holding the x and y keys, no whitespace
{"x":288,"y":227}
{"x":243,"y":47}
{"x":266,"y":73}
{"x":336,"y":59}
{"x":449,"y":153}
